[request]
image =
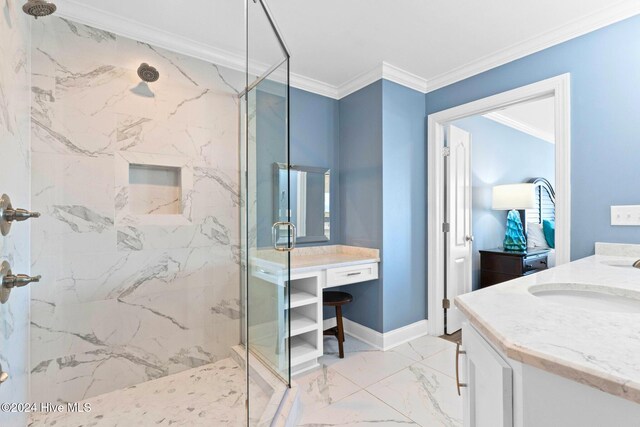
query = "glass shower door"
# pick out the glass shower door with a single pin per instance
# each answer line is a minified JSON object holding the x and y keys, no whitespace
{"x":268,"y":234}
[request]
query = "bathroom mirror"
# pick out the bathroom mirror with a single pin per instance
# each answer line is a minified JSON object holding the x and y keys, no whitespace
{"x":310,"y":206}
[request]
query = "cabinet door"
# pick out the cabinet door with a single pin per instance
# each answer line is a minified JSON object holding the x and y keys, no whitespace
{"x":488,"y":399}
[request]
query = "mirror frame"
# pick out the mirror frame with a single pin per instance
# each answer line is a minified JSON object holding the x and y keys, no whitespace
{"x":277,"y":167}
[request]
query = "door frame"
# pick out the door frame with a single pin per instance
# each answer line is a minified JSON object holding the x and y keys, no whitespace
{"x":559,"y":88}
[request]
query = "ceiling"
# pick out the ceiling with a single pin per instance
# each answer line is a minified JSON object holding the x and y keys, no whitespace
{"x":537,"y":118}
{"x":334,"y":41}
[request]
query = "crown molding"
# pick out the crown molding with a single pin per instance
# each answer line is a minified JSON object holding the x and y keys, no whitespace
{"x":125,"y":27}
{"x":88,"y":15}
{"x":404,"y":78}
{"x":383,"y":71}
{"x":522,"y":127}
{"x":312,"y":85}
{"x":358,"y":82}
{"x":606,"y":16}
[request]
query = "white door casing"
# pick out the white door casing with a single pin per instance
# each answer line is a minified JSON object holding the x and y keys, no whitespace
{"x":559,"y":88}
{"x":459,"y":238}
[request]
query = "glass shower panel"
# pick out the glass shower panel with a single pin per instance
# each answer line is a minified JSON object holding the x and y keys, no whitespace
{"x":267,"y":242}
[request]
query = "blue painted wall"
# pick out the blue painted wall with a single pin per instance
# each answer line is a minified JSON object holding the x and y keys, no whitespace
{"x":271,"y":133}
{"x":605,"y":106}
{"x":360,"y":124}
{"x":404,"y":211}
{"x":315,"y":142}
{"x":383,"y":158}
{"x":499,"y":155}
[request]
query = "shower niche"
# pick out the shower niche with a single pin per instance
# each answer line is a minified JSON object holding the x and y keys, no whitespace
{"x":153,"y":189}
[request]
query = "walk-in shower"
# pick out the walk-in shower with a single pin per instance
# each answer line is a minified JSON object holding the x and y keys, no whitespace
{"x":149,"y":162}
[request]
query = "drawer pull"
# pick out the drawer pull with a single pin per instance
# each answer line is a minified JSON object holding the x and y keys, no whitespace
{"x":354,"y":274}
{"x":458,"y":353}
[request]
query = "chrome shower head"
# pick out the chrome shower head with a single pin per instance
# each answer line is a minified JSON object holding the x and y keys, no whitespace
{"x":38,"y":8}
{"x":148,"y":73}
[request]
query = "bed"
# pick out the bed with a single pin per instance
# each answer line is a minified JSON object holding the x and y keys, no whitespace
{"x":545,"y":210}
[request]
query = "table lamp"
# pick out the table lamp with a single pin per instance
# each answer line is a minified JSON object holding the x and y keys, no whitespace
{"x":514,"y":197}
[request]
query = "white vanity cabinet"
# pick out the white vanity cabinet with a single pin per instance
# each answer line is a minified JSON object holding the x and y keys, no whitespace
{"x":499,"y":391}
{"x":313,"y":269}
{"x":488,"y":395}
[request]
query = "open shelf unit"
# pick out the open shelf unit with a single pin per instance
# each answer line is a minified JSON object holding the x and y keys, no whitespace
{"x":301,"y":323}
{"x":306,"y":321}
{"x":300,"y":298}
{"x":302,"y":349}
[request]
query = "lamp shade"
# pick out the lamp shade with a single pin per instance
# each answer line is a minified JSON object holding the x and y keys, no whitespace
{"x":514,"y":196}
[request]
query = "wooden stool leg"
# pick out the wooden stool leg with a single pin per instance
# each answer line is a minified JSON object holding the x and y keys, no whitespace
{"x":340,"y":331}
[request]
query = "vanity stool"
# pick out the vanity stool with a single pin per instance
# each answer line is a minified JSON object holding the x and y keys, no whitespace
{"x":337,"y":299}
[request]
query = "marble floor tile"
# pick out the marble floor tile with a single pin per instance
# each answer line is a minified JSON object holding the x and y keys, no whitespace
{"x":369,"y":367}
{"x":322,"y":387}
{"x":211,"y":395}
{"x":359,"y":409}
{"x":426,"y":396}
{"x":423,"y":347}
{"x":352,"y":347}
{"x":444,"y":362}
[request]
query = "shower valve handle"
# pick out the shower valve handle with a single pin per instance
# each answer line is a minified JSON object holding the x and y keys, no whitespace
{"x":18,"y":280}
{"x":8,"y":281}
{"x":10,"y":215}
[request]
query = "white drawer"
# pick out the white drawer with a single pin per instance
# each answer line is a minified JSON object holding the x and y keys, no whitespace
{"x":354,"y":274}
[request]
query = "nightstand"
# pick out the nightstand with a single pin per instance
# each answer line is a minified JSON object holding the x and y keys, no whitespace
{"x":498,"y":265}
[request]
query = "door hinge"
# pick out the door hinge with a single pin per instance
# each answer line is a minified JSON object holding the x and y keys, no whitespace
{"x":446,"y":227}
{"x":446,"y":151}
{"x":446,"y":304}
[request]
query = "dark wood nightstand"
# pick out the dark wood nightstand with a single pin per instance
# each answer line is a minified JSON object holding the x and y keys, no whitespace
{"x":498,"y":265}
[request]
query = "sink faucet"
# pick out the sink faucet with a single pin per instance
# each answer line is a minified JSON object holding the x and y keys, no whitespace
{"x":637,"y":264}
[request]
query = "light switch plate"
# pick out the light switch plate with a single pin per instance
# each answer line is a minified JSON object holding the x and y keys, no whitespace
{"x":625,"y":215}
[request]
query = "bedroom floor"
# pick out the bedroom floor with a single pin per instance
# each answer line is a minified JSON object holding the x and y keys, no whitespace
{"x":412,"y":384}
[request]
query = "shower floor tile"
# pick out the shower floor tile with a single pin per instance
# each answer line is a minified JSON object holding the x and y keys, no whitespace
{"x":211,"y":395}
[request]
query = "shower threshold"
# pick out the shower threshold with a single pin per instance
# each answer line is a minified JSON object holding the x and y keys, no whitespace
{"x":210,"y":395}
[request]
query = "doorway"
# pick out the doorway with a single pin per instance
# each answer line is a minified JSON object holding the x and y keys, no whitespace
{"x":449,"y":220}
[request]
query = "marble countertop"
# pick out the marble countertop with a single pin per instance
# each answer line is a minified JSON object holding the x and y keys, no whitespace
{"x":597,"y":348}
{"x":319,"y":257}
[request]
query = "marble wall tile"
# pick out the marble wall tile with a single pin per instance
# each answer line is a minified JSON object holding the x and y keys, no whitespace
{"x":14,"y":177}
{"x":129,"y":295}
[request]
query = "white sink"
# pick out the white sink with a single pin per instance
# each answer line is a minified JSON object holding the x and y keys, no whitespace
{"x":624,"y":264}
{"x":590,"y":297}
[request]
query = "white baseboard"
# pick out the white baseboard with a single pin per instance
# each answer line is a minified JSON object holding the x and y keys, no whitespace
{"x":382,"y":341}
{"x":405,"y":334}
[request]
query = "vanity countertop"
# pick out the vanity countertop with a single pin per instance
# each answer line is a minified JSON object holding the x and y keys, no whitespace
{"x":597,"y":348}
{"x":320,"y":257}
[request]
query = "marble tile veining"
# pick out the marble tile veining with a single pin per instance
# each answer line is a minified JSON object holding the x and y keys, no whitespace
{"x":359,"y":409}
{"x":211,"y":395}
{"x":419,"y":390}
{"x":140,"y":278}
{"x":424,"y":395}
{"x":15,"y":38}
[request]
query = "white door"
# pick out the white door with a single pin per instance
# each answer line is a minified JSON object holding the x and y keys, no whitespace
{"x":459,"y":238}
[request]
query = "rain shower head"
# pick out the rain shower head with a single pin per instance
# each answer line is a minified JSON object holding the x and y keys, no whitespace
{"x":148,"y":73}
{"x":38,"y":8}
